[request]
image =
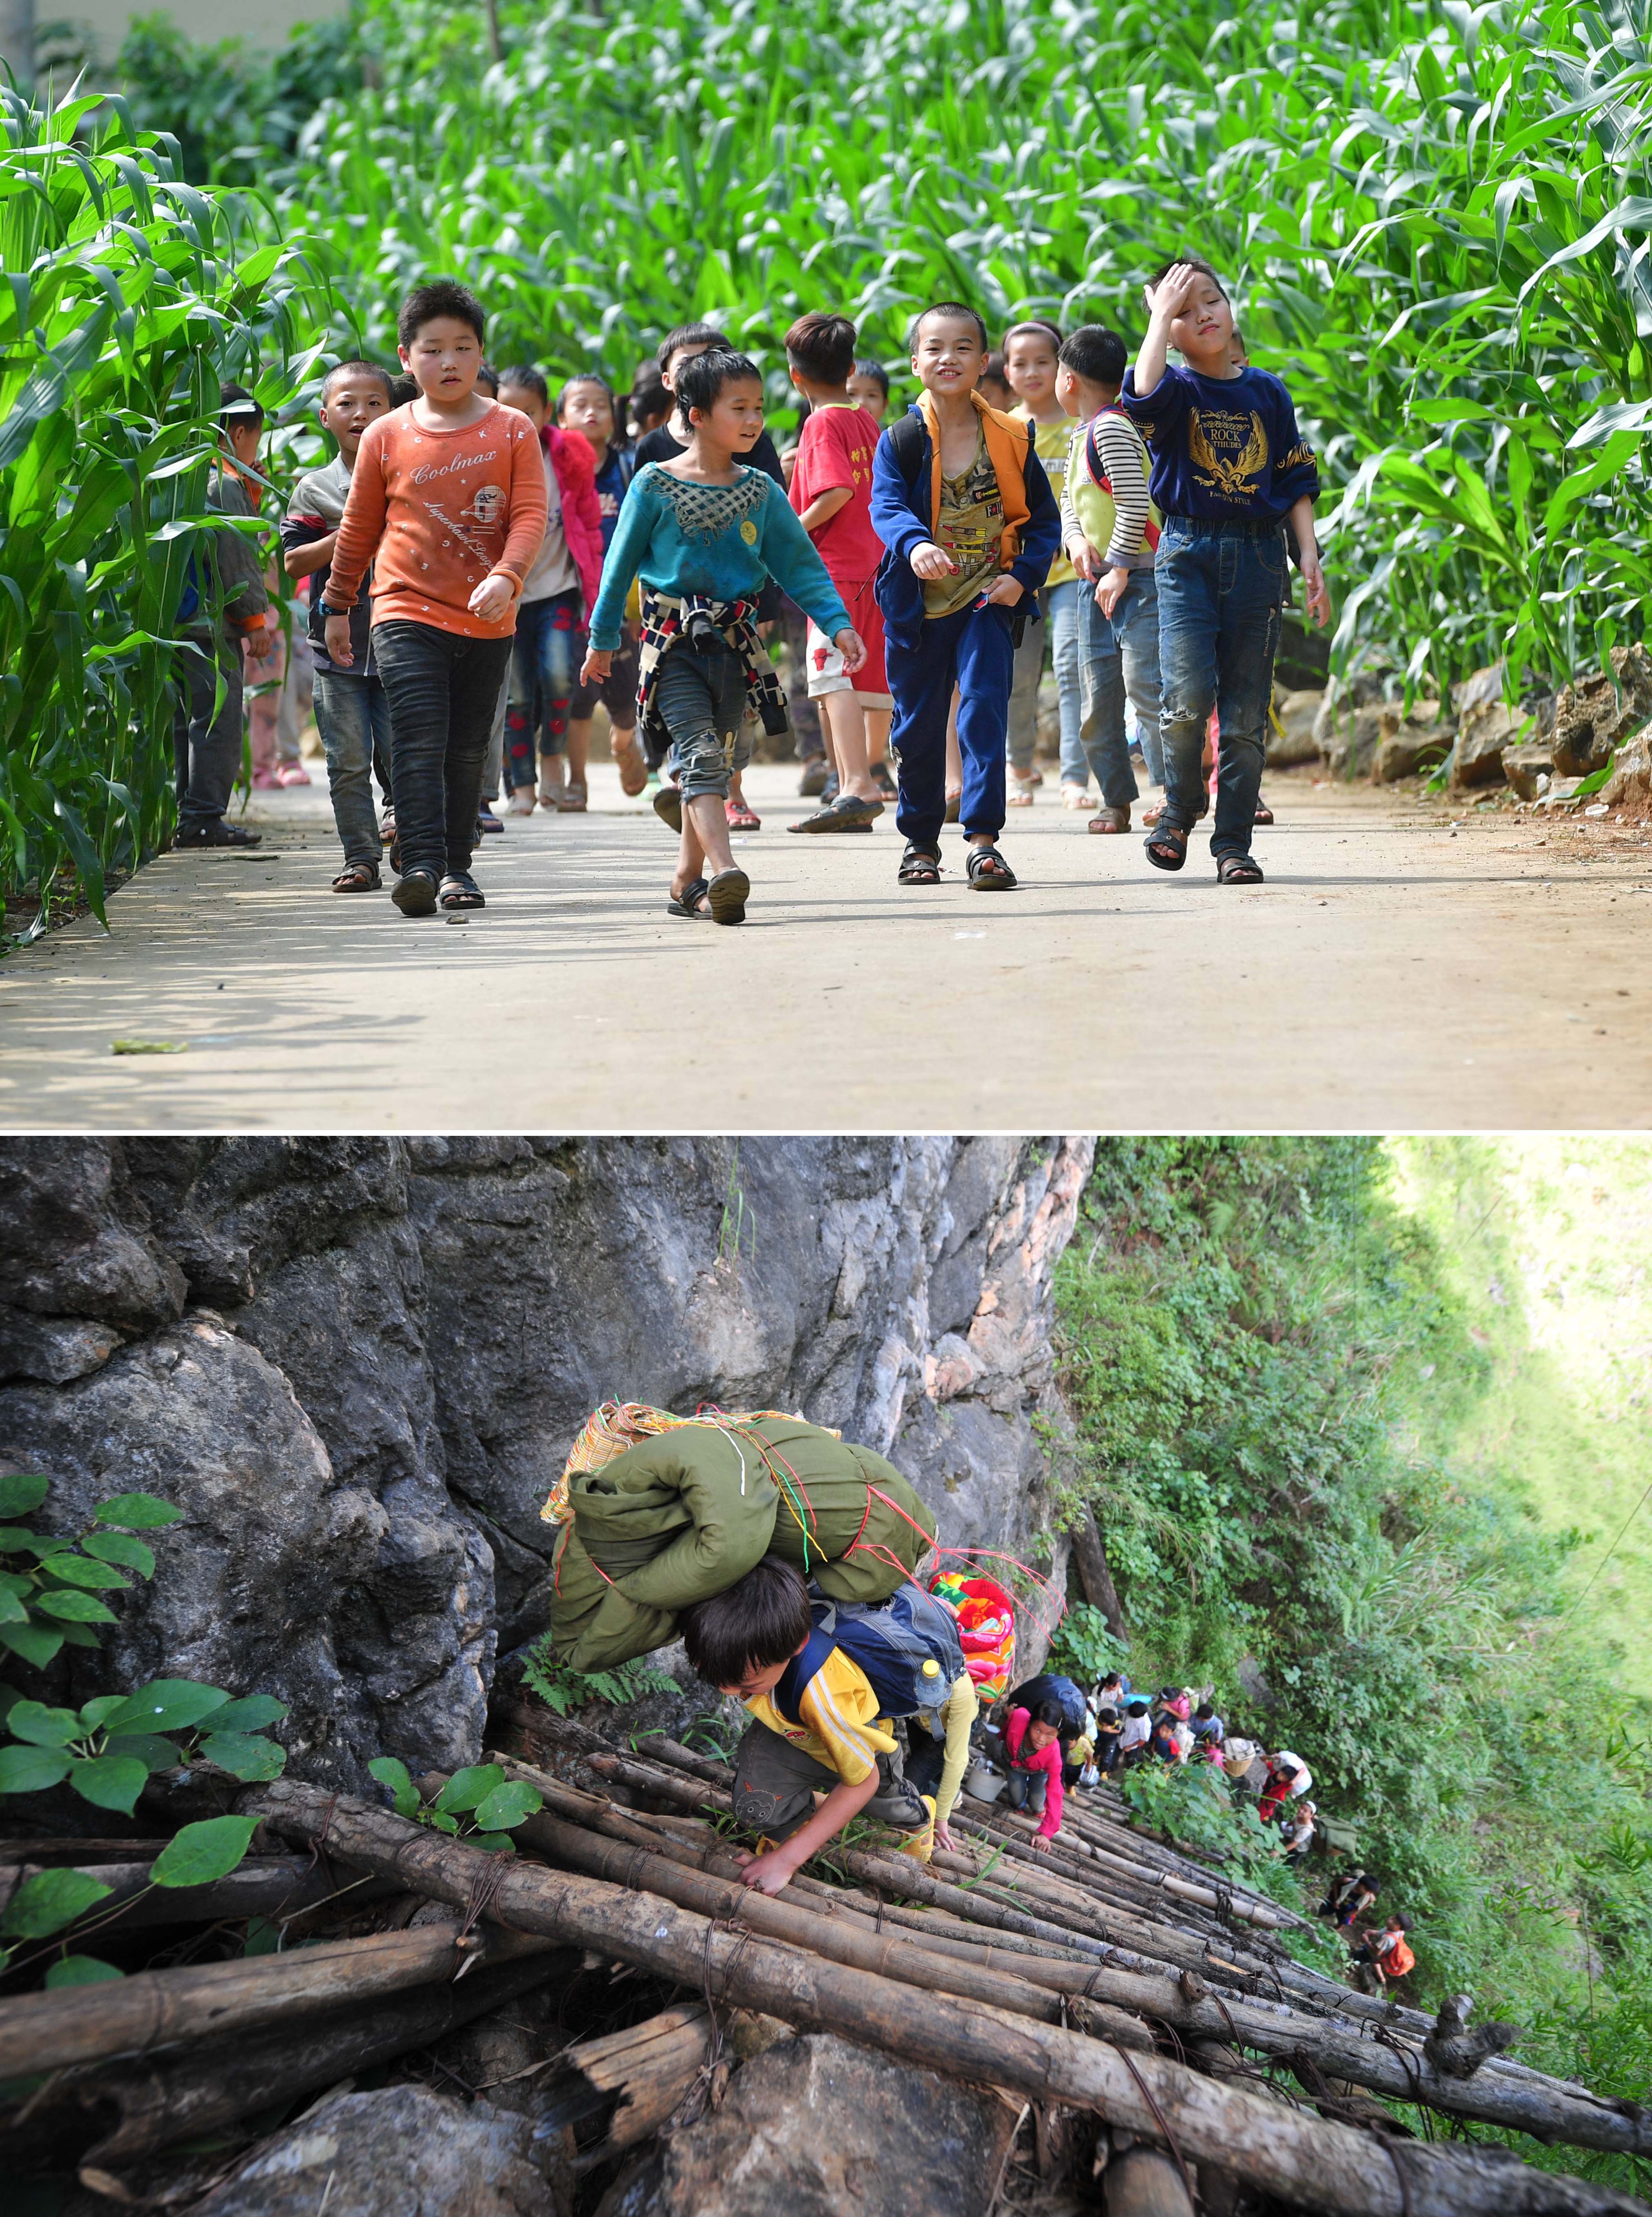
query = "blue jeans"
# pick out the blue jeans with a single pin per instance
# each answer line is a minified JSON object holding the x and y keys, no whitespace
{"x":1119,"y":657}
{"x":550,"y":647}
{"x":1059,"y":633}
{"x":353,"y":717}
{"x":701,"y":701}
{"x":1221,"y":589}
{"x":206,"y":748}
{"x":970,"y":648}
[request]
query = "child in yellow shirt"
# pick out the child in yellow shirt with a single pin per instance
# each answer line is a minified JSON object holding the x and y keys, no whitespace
{"x":822,"y":1737}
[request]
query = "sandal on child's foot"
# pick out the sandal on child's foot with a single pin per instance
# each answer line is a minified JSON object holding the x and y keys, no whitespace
{"x":1168,"y":848}
{"x":989,"y":872}
{"x":954,"y":806}
{"x":919,"y":866}
{"x":416,"y":893}
{"x":571,"y":800}
{"x":460,"y":889}
{"x":1110,"y":819}
{"x":358,"y":878}
{"x":1238,"y":870}
{"x":742,"y":816}
{"x":691,"y":901}
{"x":668,"y":807}
{"x":1263,"y":813}
{"x":727,"y":895}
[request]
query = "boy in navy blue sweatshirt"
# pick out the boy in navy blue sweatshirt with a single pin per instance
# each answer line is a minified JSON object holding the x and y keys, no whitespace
{"x":960,"y":500}
{"x":1232,"y":473}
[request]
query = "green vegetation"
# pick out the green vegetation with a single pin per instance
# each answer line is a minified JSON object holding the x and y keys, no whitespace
{"x":478,"y":1802}
{"x":1297,"y":1430}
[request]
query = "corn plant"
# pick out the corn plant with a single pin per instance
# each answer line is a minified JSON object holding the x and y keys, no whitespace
{"x":130,"y":296}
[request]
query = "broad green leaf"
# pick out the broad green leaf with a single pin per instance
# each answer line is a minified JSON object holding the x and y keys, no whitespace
{"x":441,"y":1821}
{"x":27,"y":1770}
{"x":21,"y":1496}
{"x":109,"y":1782}
{"x":389,"y":1772}
{"x":468,"y":1787}
{"x":11,"y":1608}
{"x":250,"y":1714}
{"x":36,"y":1642}
{"x":49,"y":1899}
{"x":138,"y":1512}
{"x":492,"y":1843}
{"x":80,"y":1970}
{"x":99,"y":1709}
{"x":247,"y":1755}
{"x":166,"y":1704}
{"x":120,"y":1548}
{"x":147,"y":1748}
{"x":506,"y":1806}
{"x":44,"y":1727}
{"x":74,"y":1608}
{"x":82,"y":1571}
{"x":202,"y":1854}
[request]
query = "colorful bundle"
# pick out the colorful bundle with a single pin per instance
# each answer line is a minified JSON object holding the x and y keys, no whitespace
{"x":986,"y":1623}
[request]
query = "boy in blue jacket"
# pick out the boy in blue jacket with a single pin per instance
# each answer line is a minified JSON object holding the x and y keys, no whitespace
{"x":1232,"y":473}
{"x":961,"y":503}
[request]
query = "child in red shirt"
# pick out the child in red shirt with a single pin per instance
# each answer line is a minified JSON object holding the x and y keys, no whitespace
{"x":1032,"y":1742}
{"x":831,"y":491}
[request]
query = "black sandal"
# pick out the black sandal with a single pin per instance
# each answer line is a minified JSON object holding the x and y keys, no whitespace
{"x":358,"y":878}
{"x":415,"y":894}
{"x":989,"y":872}
{"x":1238,"y":870}
{"x":919,"y":866}
{"x":668,"y":807}
{"x":691,"y":901}
{"x":460,"y":889}
{"x":1167,"y":849}
{"x":727,"y":894}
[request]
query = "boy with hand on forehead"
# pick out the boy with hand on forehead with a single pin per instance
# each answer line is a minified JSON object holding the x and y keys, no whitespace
{"x":1231,"y":472}
{"x":705,"y":532}
{"x":961,"y":503}
{"x":447,"y":503}
{"x":352,"y":714}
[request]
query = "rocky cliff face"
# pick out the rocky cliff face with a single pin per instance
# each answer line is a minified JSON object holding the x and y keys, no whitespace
{"x":357,"y":1366}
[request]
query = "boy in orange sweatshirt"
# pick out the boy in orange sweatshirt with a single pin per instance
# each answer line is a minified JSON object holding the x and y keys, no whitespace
{"x":447,"y":504}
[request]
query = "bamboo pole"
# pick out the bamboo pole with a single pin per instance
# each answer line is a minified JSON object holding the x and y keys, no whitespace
{"x":263,"y":1886}
{"x":1143,"y":2183}
{"x":1301,"y":2160}
{"x":160,"y":2009}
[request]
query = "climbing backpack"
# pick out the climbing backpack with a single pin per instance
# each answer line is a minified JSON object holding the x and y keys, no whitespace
{"x":908,"y":1646}
{"x":1049,"y":1686}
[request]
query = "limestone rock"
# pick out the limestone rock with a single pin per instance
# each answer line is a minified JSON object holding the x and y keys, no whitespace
{"x":75,"y":1243}
{"x":1406,"y":744}
{"x":818,"y":2127}
{"x":1629,"y":785}
{"x":1485,"y":728}
{"x":389,"y":2154}
{"x":1590,"y":723}
{"x":1529,"y":768}
{"x":1294,"y":741}
{"x":1350,"y":742}
{"x":56,"y":1349}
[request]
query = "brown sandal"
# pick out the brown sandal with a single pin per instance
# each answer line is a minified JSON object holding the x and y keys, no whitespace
{"x":1110,"y":819}
{"x":358,"y":878}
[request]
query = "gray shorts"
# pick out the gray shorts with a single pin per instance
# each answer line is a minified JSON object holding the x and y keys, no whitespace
{"x":775,"y":1785}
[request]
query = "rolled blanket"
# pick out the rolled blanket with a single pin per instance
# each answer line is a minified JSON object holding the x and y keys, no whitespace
{"x":687,"y":1512}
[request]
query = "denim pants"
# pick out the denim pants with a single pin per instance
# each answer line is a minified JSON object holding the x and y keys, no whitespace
{"x":442,"y":689}
{"x":701,"y":701}
{"x":206,"y":748}
{"x":969,"y":648}
{"x":353,"y":717}
{"x":1221,"y":589}
{"x":549,"y":647}
{"x":1119,"y":656}
{"x":775,"y":1785}
{"x":1059,"y":633}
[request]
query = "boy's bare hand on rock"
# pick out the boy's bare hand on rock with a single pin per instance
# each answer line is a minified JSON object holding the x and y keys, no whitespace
{"x":339,"y":650}
{"x":1040,"y":1841}
{"x":933,"y":563}
{"x":595,"y":666}
{"x":853,"y":648}
{"x":1004,"y":592}
{"x":492,"y":597}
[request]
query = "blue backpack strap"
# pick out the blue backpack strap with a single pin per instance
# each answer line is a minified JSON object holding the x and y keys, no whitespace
{"x":794,"y":1680}
{"x":907,"y":437}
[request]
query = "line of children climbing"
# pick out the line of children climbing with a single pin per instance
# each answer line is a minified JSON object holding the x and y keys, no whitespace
{"x":1135,"y":518}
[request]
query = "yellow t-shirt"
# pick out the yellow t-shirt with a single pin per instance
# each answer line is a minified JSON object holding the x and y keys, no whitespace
{"x":839,"y":1722}
{"x":1051,"y":443}
{"x":969,"y":528}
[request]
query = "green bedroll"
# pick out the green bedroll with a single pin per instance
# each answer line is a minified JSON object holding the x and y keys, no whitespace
{"x":682,"y":1515}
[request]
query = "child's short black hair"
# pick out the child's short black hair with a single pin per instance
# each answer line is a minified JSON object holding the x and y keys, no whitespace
{"x":594,"y":377}
{"x":1039,"y":323}
{"x":1205,"y":1709}
{"x":1095,"y":353}
{"x":237,"y":405}
{"x":402,"y":390}
{"x":1194,"y":262}
{"x":1138,"y":1707}
{"x":1107,"y":1720}
{"x":360,"y":369}
{"x":957,"y":313}
{"x":875,"y":371}
{"x":1048,"y":1713}
{"x":695,"y":335}
{"x":821,"y":346}
{"x":760,"y":1619}
{"x":440,"y":297}
{"x":700,"y":379}
{"x":530,"y":380}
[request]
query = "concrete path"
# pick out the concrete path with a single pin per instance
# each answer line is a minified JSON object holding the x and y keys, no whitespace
{"x":1393,"y":973}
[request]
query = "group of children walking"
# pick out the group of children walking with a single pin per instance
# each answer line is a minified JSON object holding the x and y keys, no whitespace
{"x":524,"y":561}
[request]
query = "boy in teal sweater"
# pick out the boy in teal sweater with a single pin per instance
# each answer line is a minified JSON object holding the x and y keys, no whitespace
{"x":705,"y":533}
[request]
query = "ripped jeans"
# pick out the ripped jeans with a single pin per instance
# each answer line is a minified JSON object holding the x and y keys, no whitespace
{"x":701,"y":701}
{"x":1222,"y":588}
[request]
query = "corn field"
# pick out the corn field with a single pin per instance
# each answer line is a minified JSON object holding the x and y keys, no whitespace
{"x":1435,"y":218}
